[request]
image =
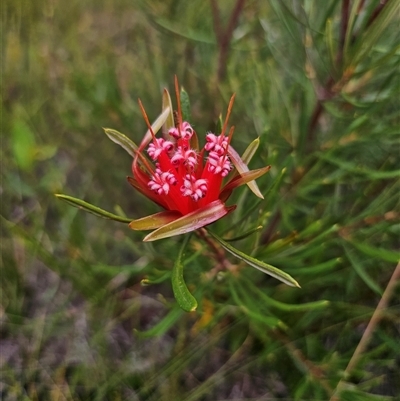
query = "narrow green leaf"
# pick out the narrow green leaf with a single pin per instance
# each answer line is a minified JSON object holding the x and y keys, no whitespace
{"x":167,"y":103}
{"x":250,"y":150}
{"x":360,"y":270}
{"x":357,"y":123}
{"x":379,"y":253}
{"x":353,"y":168}
{"x":121,"y":140}
{"x":185,"y":105}
{"x":244,"y":235}
{"x":155,"y":280}
{"x":252,"y":312}
{"x":349,"y":32}
{"x":258,"y":264}
{"x":182,"y":295}
{"x":317,"y":269}
{"x":192,"y":221}
{"x":382,"y":61}
{"x":280,"y":243}
{"x":311,"y":229}
{"x":388,"y":13}
{"x":274,"y":188}
{"x":164,"y":325}
{"x":80,"y":204}
{"x":253,"y":289}
{"x":330,"y":42}
{"x":154,"y":220}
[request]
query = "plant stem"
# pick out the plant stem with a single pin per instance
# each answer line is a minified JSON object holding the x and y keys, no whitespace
{"x":224,"y":37}
{"x":367,"y":336}
{"x":223,"y":263}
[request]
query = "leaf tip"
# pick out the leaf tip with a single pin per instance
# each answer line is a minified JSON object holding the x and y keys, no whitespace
{"x":296,"y":284}
{"x":147,"y":238}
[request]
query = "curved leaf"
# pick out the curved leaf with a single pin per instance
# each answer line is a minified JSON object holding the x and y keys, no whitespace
{"x":80,"y":204}
{"x":155,"y":220}
{"x":250,"y":151}
{"x":158,"y":123}
{"x":192,"y":221}
{"x":242,"y":168}
{"x":244,"y":178}
{"x":258,"y":264}
{"x":252,"y":288}
{"x":374,"y":32}
{"x":167,"y":103}
{"x":185,"y":105}
{"x":121,"y":140}
{"x":163,"y":325}
{"x":182,"y":295}
{"x":244,"y":235}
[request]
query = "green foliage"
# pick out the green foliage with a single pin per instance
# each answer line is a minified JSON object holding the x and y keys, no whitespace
{"x":88,"y":308}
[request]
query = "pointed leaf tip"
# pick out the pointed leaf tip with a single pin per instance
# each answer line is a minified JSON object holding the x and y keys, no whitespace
{"x":250,"y":151}
{"x":258,"y":264}
{"x":121,"y":140}
{"x":242,"y":168}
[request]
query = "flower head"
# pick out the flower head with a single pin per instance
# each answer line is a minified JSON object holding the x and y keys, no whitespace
{"x":186,"y":181}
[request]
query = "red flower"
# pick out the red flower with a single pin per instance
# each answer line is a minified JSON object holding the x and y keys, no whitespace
{"x":186,"y":181}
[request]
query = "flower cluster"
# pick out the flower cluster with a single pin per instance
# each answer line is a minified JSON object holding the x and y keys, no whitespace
{"x":188,"y":182}
{"x":181,"y":179}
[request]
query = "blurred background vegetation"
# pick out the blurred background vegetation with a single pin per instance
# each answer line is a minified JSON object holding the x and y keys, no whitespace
{"x":318,"y":83}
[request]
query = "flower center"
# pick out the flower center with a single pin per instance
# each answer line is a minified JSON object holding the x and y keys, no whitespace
{"x":178,"y":163}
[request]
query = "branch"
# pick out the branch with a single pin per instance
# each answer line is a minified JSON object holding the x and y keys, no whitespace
{"x":224,"y":37}
{"x":367,"y":336}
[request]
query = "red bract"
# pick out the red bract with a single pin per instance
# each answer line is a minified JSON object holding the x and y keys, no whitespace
{"x":186,"y":181}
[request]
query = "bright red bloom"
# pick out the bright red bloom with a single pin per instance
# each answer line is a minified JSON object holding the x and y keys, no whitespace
{"x":185,"y":181}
